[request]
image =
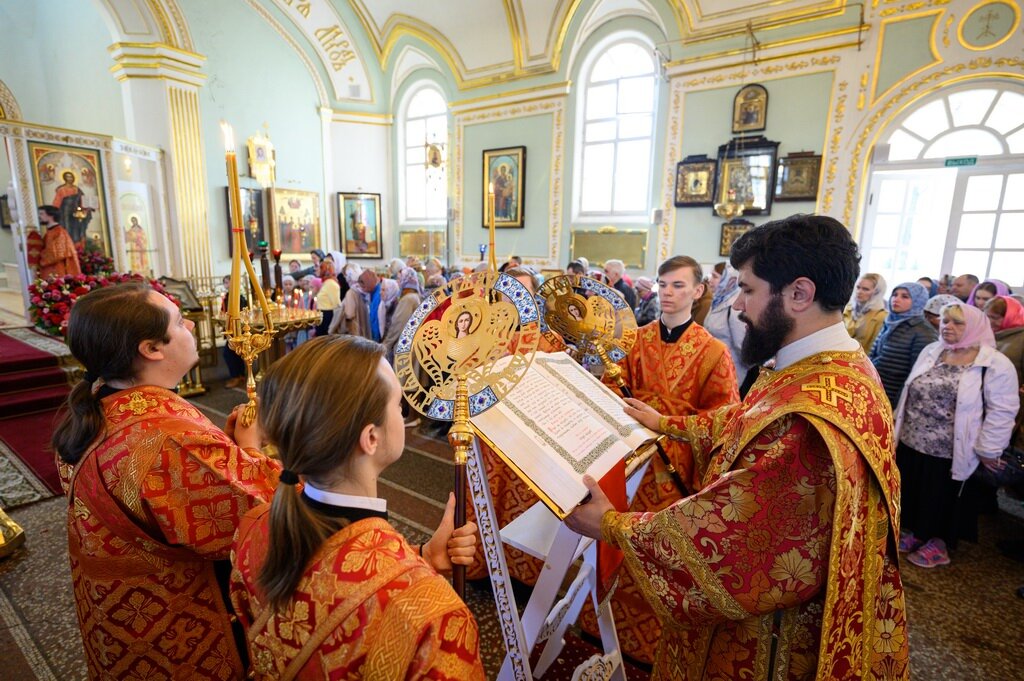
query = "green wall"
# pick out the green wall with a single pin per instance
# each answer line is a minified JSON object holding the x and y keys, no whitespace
{"x":797,"y":118}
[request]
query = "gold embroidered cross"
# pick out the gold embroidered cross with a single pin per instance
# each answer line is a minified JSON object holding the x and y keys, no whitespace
{"x":138,"y":404}
{"x":828,"y":391}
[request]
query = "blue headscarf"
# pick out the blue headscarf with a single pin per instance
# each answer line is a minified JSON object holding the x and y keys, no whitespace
{"x":727,"y":285}
{"x":918,"y":297}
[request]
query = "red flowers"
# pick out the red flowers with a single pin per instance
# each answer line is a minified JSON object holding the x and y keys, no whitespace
{"x":50,"y":299}
{"x":93,"y":260}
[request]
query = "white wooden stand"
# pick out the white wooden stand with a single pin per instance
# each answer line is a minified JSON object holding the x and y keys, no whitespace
{"x":539,"y":533}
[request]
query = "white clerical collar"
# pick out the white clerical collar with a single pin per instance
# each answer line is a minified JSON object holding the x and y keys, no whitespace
{"x":835,"y":338}
{"x":345,"y":500}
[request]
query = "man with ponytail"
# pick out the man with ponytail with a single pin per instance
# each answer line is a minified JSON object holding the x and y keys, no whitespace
{"x":155,"y":493}
{"x":325,"y":586}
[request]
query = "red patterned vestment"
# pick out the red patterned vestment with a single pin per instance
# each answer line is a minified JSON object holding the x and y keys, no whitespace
{"x":692,"y":375}
{"x":58,"y":255}
{"x":367,"y":607}
{"x":152,"y":505}
{"x":793,"y":533}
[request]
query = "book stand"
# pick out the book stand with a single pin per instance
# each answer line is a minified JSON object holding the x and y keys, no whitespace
{"x":538,"y":532}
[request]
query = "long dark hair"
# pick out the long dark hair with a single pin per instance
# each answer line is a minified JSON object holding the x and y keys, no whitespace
{"x":314,"y":404}
{"x":104,"y":331}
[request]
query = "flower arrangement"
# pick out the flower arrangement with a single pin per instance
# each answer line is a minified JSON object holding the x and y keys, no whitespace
{"x":92,"y":260}
{"x":50,"y":299}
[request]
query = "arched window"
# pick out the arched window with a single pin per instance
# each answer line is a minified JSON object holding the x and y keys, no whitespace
{"x":947,"y":188}
{"x":423,"y":141}
{"x":616,"y":130}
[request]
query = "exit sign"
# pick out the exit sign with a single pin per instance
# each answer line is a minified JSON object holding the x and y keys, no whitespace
{"x":965,"y":161}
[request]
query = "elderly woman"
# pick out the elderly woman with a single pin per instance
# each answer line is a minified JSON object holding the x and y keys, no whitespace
{"x":1006,"y":316}
{"x":352,"y":315}
{"x":866,"y":313}
{"x":647,"y":308}
{"x":956,"y":413}
{"x":410,"y":296}
{"x":904,"y":335}
{"x":986,"y":291}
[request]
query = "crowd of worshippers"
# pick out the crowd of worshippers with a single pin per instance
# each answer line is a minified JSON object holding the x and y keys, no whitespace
{"x":194,"y":555}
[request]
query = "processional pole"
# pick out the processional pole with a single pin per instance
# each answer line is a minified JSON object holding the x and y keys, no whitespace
{"x":447,"y":356}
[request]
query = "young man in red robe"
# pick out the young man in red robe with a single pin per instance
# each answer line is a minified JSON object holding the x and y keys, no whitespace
{"x":784,"y":564}
{"x":155,"y":494}
{"x":681,"y":369}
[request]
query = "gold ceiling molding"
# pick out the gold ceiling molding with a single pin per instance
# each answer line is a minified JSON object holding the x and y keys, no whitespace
{"x":741,"y":54}
{"x":979,"y":68}
{"x":810,"y":60}
{"x":172,"y":23}
{"x":553,"y":106}
{"x":932,"y":46}
{"x":689,"y":26}
{"x":909,"y":7}
{"x":318,"y":82}
{"x":1009,"y":34}
{"x":385,"y":39}
{"x":9,"y":108}
{"x":338,"y":116}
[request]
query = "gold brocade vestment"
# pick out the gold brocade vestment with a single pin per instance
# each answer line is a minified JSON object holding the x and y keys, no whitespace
{"x":784,"y":565}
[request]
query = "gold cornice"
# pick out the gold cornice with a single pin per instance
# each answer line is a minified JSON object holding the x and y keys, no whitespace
{"x":169,"y":16}
{"x":860,"y":31}
{"x":737,"y":72}
{"x":936,"y":57}
{"x":339,"y":116}
{"x":517,"y":36}
{"x":565,"y":85}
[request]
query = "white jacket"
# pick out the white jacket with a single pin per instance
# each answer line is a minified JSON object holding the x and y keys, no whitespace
{"x":971,"y":437}
{"x":725,"y":325}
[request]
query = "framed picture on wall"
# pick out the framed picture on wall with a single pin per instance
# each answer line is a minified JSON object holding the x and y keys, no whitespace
{"x":296,"y":226}
{"x":71,"y":180}
{"x":695,"y":181}
{"x":731,"y":231}
{"x":254,"y":223}
{"x":359,"y":218}
{"x":746,"y":174}
{"x":750,"y":109}
{"x":797,"y":177}
{"x":5,"y":212}
{"x":504,"y":175}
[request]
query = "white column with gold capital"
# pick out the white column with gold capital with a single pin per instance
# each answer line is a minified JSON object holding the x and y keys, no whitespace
{"x":160,"y":87}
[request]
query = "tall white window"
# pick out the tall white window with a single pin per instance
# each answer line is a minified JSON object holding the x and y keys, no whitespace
{"x":617,"y":130}
{"x":424,"y":144}
{"x":949,"y":199}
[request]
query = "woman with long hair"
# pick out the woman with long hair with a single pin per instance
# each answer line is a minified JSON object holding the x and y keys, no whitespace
{"x":155,"y":492}
{"x":866,"y":313}
{"x":956,"y":413}
{"x":904,"y":335}
{"x":324,"y":585}
{"x":986,"y":291}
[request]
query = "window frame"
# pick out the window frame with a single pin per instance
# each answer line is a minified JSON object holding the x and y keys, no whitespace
{"x":403,"y":146}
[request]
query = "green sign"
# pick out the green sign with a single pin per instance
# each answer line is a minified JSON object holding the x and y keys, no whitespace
{"x":965,"y":161}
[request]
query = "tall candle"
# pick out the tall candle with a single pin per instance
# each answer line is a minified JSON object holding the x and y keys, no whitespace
{"x":235,"y":212}
{"x":490,"y":198}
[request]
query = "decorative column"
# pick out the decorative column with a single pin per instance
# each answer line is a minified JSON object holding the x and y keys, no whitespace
{"x":160,"y":87}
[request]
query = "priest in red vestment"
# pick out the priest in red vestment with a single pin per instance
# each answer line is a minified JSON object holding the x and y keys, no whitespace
{"x":679,"y":368}
{"x":324,"y":585}
{"x":155,"y":493}
{"x":784,"y":564}
{"x":58,"y":255}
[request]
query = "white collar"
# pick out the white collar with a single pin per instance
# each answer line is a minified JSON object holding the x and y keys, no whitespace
{"x":345,"y":500}
{"x":834,"y":337}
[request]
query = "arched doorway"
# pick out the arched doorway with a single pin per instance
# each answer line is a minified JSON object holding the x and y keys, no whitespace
{"x":946,"y":188}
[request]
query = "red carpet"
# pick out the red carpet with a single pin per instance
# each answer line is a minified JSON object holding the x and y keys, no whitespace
{"x":32,"y":385}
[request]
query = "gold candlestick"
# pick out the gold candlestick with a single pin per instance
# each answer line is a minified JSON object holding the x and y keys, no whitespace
{"x":492,"y":258}
{"x":241,"y":339}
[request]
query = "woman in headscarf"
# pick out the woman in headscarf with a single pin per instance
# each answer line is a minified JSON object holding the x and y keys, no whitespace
{"x":1006,"y":317}
{"x":647,"y":308}
{"x":986,"y":291}
{"x":329,"y":296}
{"x":904,"y":335}
{"x":933,"y":308}
{"x":389,"y":292}
{"x":723,"y":322}
{"x":866,"y":313}
{"x":410,"y":297}
{"x":957,"y":413}
{"x":352,"y":316}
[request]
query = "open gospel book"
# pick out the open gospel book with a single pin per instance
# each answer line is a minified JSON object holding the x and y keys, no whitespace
{"x":557,"y":424}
